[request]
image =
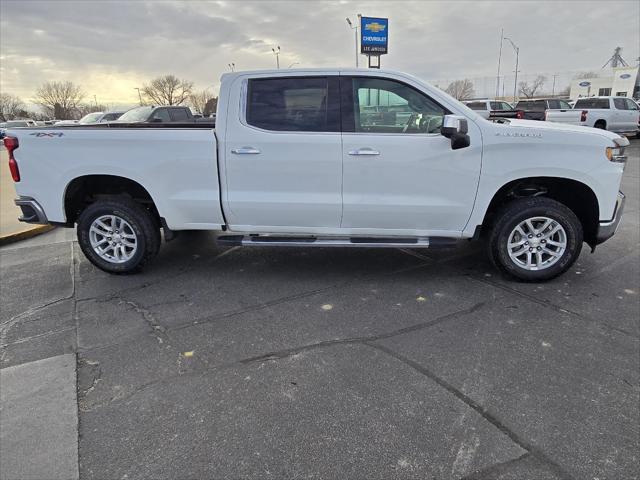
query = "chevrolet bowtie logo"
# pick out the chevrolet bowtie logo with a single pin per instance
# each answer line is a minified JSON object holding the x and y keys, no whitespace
{"x":375,"y":27}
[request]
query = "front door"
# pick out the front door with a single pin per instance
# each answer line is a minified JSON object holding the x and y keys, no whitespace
{"x":283,"y":157}
{"x":400,"y":174}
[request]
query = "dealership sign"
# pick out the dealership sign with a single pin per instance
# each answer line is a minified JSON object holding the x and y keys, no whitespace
{"x":374,"y":35}
{"x":584,"y":84}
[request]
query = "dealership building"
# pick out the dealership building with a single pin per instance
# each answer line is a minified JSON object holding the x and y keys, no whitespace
{"x":620,"y":81}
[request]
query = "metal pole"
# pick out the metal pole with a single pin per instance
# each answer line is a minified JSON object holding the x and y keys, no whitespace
{"x":356,"y":38}
{"x":139,"y":96}
{"x":499,"y":59}
{"x":515,"y":81}
{"x":553,"y":88}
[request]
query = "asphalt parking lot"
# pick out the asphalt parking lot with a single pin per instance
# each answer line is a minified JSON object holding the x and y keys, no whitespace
{"x":339,"y":363}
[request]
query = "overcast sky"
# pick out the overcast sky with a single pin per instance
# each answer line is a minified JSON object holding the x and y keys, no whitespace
{"x":111,"y":47}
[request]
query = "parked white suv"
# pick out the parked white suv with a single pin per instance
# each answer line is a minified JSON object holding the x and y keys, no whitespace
{"x":616,"y":114}
{"x":300,"y":158}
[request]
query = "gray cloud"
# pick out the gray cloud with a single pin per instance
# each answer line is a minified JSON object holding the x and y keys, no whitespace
{"x":110,"y":46}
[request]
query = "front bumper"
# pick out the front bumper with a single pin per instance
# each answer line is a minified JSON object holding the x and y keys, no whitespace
{"x":606,"y":230}
{"x":32,"y":212}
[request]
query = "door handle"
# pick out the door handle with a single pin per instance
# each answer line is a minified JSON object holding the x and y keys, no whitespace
{"x":245,"y":151}
{"x":364,"y":151}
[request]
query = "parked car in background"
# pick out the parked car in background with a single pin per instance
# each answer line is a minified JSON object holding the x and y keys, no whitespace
{"x":100,"y":117}
{"x":16,"y":124}
{"x":616,"y":114}
{"x":66,"y":122}
{"x":491,"y":109}
{"x":294,"y":162}
{"x":160,"y":114}
{"x":550,"y":109}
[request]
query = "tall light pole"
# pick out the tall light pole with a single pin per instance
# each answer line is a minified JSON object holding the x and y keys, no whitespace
{"x":553,"y":89}
{"x":294,"y":63}
{"x":499,"y":59}
{"x":139,"y":96}
{"x":515,"y":81}
{"x":232,"y":66}
{"x":276,"y":52}
{"x":355,"y":31}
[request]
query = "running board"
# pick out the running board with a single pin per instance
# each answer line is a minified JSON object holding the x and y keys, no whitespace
{"x":365,"y":242}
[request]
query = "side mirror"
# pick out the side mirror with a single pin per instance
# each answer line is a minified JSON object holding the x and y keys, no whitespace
{"x":455,"y":128}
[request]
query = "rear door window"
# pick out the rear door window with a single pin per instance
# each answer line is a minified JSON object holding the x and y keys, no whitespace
{"x":295,"y":104}
{"x":631,"y":105}
{"x":179,"y":114}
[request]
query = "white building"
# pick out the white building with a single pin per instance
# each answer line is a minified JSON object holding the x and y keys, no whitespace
{"x":619,"y":81}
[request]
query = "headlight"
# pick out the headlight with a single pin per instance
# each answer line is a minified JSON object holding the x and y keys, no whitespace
{"x":616,"y":154}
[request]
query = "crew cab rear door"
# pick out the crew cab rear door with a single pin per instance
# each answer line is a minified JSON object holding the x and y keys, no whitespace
{"x":282,"y":154}
{"x":401,"y":175}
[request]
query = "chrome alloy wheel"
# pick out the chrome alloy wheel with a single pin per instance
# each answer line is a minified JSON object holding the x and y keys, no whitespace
{"x":537,"y":243}
{"x":113,"y":239}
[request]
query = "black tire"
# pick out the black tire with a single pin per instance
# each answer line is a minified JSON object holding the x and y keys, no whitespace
{"x":601,"y":124}
{"x":520,"y":210}
{"x":141,"y":221}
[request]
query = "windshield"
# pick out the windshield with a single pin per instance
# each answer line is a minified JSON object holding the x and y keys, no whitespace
{"x":139,"y":114}
{"x":90,"y":118}
{"x":17,"y":123}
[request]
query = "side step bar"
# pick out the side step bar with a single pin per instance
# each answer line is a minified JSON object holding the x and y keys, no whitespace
{"x":367,"y":242}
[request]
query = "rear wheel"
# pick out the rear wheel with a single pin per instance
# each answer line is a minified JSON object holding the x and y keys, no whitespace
{"x":535,"y":239}
{"x":601,"y":124}
{"x":118,"y":235}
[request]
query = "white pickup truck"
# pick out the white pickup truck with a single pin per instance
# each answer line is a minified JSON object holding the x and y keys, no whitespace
{"x":300,"y":158}
{"x":617,"y":114}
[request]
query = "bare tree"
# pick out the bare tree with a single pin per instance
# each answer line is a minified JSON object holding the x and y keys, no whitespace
{"x":210,"y":107}
{"x":90,"y":108}
{"x":528,"y":90}
{"x":198,"y":100}
{"x":461,"y":89}
{"x":10,"y":105}
{"x":59,"y":99}
{"x":167,"y":90}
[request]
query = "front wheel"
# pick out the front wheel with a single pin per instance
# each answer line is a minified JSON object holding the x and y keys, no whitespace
{"x":118,"y":235}
{"x":535,"y":239}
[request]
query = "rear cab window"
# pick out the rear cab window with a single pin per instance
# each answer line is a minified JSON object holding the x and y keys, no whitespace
{"x":620,"y":104}
{"x":179,"y":114}
{"x":294,"y":104}
{"x":595,"y":103}
{"x":532,"y":105}
{"x":477,"y":105}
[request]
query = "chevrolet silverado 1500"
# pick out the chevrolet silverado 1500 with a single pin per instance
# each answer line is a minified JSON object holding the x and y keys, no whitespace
{"x":297,"y":159}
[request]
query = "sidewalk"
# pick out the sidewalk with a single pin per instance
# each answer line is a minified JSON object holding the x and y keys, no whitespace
{"x":11,"y":229}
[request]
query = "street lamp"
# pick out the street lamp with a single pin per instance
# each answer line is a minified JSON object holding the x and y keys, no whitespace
{"x":355,"y":31}
{"x":294,"y":63}
{"x":276,"y":52}
{"x":515,"y":81}
{"x":139,"y":96}
{"x":232,"y":66}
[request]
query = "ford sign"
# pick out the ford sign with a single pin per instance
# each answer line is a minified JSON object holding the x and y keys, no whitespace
{"x":625,"y":75}
{"x":584,"y":84}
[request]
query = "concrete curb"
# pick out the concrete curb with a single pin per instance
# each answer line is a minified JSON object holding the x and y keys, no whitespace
{"x":32,"y":232}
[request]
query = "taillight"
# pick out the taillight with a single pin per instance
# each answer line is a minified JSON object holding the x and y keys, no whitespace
{"x":520,"y":114}
{"x":11,"y":143}
{"x":583,"y":116}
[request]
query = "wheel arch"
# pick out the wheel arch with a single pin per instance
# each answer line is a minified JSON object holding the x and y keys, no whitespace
{"x":576,"y":195}
{"x":86,"y":189}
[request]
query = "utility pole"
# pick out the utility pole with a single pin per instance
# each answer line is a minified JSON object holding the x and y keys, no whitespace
{"x":355,"y":31}
{"x":499,"y":59}
{"x":139,"y":96}
{"x":553,"y":88}
{"x":515,"y":81}
{"x":276,"y":52}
